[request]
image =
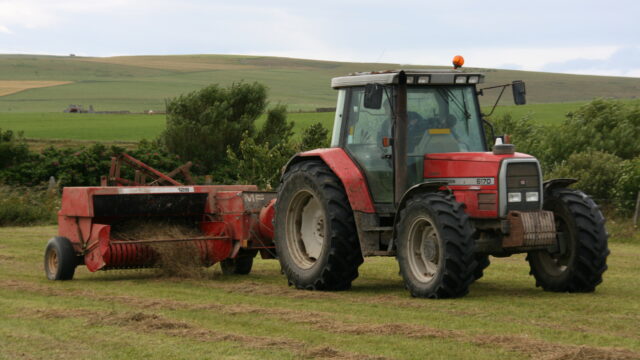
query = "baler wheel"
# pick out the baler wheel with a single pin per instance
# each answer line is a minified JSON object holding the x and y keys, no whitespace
{"x":315,"y":233}
{"x":240,"y":265}
{"x":435,"y":247}
{"x":483,"y":262}
{"x":60,"y":260}
{"x":580,"y":267}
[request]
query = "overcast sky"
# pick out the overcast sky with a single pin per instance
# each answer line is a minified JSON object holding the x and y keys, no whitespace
{"x":584,"y":37}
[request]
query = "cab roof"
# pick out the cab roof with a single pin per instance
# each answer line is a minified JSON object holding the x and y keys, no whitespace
{"x":428,"y":77}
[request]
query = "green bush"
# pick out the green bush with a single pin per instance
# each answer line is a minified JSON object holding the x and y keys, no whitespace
{"x":597,"y":173}
{"x":203,"y":124}
{"x":628,"y":186}
{"x":315,"y":136}
{"x":82,"y":166}
{"x":276,"y":129}
{"x":28,"y":206}
{"x":13,"y":149}
{"x":258,"y":164}
{"x":609,"y":126}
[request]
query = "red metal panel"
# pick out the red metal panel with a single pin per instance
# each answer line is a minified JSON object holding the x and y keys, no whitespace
{"x":351,"y":177}
{"x":267,"y":215}
{"x":468,"y":165}
{"x":470,"y":199}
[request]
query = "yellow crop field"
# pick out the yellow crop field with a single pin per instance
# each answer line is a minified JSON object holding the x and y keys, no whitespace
{"x":13,"y":86}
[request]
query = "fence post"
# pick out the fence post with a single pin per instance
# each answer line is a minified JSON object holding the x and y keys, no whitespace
{"x":635,"y":214}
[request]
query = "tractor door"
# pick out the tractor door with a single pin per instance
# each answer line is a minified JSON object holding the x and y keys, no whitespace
{"x":362,"y":139}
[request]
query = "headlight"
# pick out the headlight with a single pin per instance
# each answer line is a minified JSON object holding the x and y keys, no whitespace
{"x":461,"y":79}
{"x":532,"y":196}
{"x":514,"y":197}
{"x":474,"y":79}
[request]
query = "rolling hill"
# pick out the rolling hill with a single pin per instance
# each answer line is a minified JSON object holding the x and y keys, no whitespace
{"x":138,"y":83}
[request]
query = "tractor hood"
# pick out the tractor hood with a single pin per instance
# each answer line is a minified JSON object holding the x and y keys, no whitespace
{"x":466,"y":164}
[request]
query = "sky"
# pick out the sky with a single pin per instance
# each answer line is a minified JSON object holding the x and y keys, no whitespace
{"x":580,"y":37}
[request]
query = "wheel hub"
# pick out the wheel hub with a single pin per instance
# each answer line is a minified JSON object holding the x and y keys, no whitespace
{"x":53,"y":261}
{"x":425,"y":250}
{"x":305,"y":229}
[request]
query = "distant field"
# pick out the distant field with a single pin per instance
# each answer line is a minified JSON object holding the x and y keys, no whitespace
{"x":114,"y":127}
{"x":138,"y":83}
{"x":134,"y":127}
{"x":135,"y":314}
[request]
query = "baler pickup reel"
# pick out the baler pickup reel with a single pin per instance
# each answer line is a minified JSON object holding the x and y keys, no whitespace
{"x":124,"y":227}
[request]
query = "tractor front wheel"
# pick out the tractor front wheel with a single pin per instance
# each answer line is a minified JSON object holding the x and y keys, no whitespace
{"x":315,"y":232}
{"x":435,"y":247}
{"x":60,"y":259}
{"x":582,"y":259}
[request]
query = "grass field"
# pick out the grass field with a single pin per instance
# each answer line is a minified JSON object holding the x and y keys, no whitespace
{"x":135,"y":314}
{"x":134,"y":127}
{"x":139,"y":83}
{"x":114,"y":127}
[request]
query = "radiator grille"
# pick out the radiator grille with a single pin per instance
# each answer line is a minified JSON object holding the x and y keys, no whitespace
{"x":523,"y":177}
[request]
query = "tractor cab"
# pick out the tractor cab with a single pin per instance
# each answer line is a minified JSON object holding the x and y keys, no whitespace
{"x":439,"y":113}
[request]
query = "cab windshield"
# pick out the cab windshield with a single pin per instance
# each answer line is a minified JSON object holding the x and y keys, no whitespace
{"x":443,"y":119}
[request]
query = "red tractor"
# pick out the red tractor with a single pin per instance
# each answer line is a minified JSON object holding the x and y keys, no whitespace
{"x":409,"y":174}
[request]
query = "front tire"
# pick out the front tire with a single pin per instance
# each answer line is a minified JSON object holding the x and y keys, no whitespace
{"x":60,"y":259}
{"x":580,"y":267}
{"x":435,"y":247}
{"x":315,"y":232}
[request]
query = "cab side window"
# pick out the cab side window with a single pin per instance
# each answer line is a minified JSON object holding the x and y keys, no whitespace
{"x":365,"y":130}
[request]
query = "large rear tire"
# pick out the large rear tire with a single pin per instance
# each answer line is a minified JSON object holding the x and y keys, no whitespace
{"x":60,"y":259}
{"x":315,"y":232}
{"x":435,"y":247}
{"x":580,"y":266}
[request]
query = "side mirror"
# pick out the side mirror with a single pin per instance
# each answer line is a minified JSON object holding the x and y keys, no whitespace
{"x":373,"y":96}
{"x":519,"y":92}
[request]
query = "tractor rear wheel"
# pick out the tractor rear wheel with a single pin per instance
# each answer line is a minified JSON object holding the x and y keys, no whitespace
{"x":60,"y":259}
{"x":315,"y":232}
{"x":435,"y":247}
{"x":583,"y":257}
{"x":240,"y":265}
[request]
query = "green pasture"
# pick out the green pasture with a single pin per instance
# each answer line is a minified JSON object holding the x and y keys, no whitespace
{"x":115,"y":127}
{"x":136,"y":314}
{"x":134,"y":127}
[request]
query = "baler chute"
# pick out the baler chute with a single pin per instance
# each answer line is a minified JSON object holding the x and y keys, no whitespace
{"x":122,"y":227}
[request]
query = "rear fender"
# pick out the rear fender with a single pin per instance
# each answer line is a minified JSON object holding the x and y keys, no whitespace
{"x":346,"y":170}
